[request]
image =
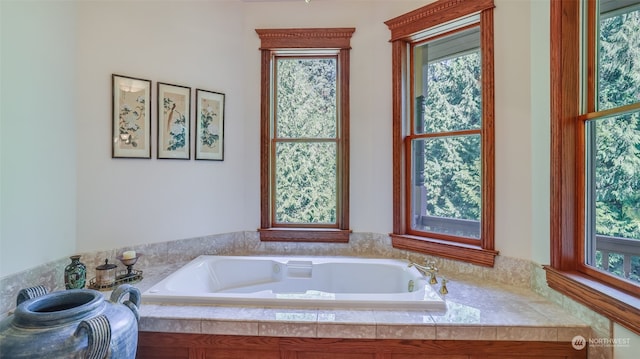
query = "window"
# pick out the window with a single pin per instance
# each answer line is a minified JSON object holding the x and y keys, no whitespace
{"x":443,"y":130}
{"x":595,"y":137}
{"x":612,"y":144}
{"x":304,"y":173}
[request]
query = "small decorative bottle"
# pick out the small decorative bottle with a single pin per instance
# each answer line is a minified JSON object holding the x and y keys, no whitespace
{"x":75,"y":274}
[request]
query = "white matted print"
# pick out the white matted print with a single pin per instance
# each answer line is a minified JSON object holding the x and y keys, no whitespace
{"x":131,"y":117}
{"x":209,"y":125}
{"x":174,"y":121}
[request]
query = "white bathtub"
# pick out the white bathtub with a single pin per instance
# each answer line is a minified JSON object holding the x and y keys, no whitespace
{"x":341,"y":282}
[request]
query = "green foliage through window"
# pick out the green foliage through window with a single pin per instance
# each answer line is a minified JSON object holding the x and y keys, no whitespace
{"x":306,"y":148}
{"x":306,"y":182}
{"x":615,"y":150}
{"x":447,"y":162}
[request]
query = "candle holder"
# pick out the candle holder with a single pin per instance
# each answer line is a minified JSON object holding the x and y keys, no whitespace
{"x":129,"y":262}
{"x":129,"y":275}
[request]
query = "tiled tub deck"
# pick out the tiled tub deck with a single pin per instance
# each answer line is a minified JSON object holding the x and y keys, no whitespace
{"x":484,"y":304}
{"x":476,"y":310}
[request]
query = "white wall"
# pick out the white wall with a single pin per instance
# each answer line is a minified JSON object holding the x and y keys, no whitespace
{"x":512,"y":128}
{"x":630,"y":343}
{"x":540,"y":129}
{"x":133,"y":201}
{"x":38,"y":138}
{"x":213,"y":45}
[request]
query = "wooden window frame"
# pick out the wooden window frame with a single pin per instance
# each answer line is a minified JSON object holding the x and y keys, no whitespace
{"x":567,"y":273}
{"x":272,"y":41}
{"x":405,"y":30}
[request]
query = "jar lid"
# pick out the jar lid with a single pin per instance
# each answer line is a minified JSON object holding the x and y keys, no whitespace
{"x":106,"y":265}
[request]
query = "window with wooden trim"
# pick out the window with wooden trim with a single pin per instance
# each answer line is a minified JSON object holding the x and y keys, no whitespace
{"x":443,"y":137}
{"x":595,"y":156}
{"x":304,"y":174}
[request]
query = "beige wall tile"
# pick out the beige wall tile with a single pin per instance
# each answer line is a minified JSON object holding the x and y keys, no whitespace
{"x":288,"y":329}
{"x":527,"y":333}
{"x":419,"y":332}
{"x":465,"y":333}
{"x":229,"y":327}
{"x":326,"y":330}
{"x":169,"y":325}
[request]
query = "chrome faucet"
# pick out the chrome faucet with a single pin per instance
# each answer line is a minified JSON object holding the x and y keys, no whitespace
{"x":429,"y":270}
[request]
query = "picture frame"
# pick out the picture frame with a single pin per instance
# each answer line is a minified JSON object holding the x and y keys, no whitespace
{"x":174,"y":121}
{"x":209,"y":136}
{"x":131,"y":117}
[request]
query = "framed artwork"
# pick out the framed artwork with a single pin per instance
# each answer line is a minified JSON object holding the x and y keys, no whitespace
{"x":131,"y":127}
{"x":174,"y":129}
{"x":209,"y":125}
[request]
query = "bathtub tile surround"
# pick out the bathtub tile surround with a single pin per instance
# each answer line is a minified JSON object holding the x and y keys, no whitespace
{"x":347,"y":331}
{"x":169,"y":325}
{"x":466,"y":333}
{"x":238,"y":314}
{"x":372,"y":245}
{"x":408,"y":317}
{"x":283,"y":329}
{"x":287,"y":330}
{"x":404,"y":324}
{"x":51,"y":275}
{"x":230,"y":328}
{"x":600,"y":326}
{"x":339,"y":316}
{"x":349,"y":323}
{"x":405,"y":331}
{"x":482,"y":303}
{"x":545,"y":334}
{"x":508,"y":301}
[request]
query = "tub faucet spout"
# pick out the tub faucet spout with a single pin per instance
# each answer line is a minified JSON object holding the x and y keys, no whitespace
{"x":429,"y":270}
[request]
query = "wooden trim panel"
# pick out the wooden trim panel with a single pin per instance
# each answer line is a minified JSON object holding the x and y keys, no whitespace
{"x":201,"y":346}
{"x":345,"y":135}
{"x":398,"y":65}
{"x":564,"y":109}
{"x":458,"y":251}
{"x":615,"y":304}
{"x":488,"y":132}
{"x":439,"y":12}
{"x":335,"y":38}
{"x":265,"y":121}
{"x":303,"y":235}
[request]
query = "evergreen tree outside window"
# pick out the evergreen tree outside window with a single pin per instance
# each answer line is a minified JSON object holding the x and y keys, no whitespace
{"x":443,"y":139}
{"x":305,"y":140}
{"x":447,"y":136}
{"x":613,"y":145}
{"x":305,"y":134}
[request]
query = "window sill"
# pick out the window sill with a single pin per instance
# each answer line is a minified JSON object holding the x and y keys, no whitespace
{"x":619,"y":306}
{"x":458,"y":251}
{"x":304,"y":235}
